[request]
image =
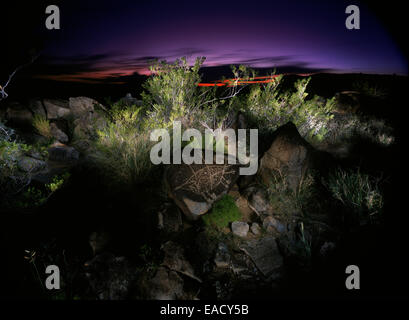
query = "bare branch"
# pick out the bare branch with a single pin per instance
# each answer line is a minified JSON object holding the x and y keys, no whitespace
{"x":3,"y":93}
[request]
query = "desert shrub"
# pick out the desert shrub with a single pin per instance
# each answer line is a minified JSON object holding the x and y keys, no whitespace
{"x":42,"y":125}
{"x":223,"y":213}
{"x":272,"y":108}
{"x":172,"y":93}
{"x":346,"y":128}
{"x":12,"y":180}
{"x":286,"y":201}
{"x":57,"y":182}
{"x":37,"y":196}
{"x":123,"y":147}
{"x":358,"y":192}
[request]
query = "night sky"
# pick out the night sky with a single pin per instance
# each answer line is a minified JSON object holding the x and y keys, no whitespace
{"x":112,"y":40}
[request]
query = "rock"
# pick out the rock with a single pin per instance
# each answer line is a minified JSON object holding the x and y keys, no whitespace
{"x":19,"y":115}
{"x":56,"y":109}
{"x":35,"y":154}
{"x":255,"y":228}
{"x":175,"y":260}
{"x":170,"y":219}
{"x":195,"y":187}
{"x":243,"y":266}
{"x":36,"y":107}
{"x":270,"y":223}
{"x":110,"y":277}
{"x":85,"y":127}
{"x":244,"y":208}
{"x":165,"y":285}
{"x":240,"y":228}
{"x":259,"y":202}
{"x":288,"y":157}
{"x":222,"y":257}
{"x":28,"y":164}
{"x":81,"y":105}
{"x":62,"y":152}
{"x":265,"y":254}
{"x":57,"y":133}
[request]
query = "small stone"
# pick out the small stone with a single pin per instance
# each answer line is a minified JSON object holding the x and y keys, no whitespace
{"x":259,"y":203}
{"x":270,"y":222}
{"x":222,"y":258}
{"x":255,"y":228}
{"x":240,"y":228}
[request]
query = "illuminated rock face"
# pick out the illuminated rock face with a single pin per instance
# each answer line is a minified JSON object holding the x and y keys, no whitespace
{"x":289,"y":156}
{"x":56,"y":108}
{"x":195,"y":187}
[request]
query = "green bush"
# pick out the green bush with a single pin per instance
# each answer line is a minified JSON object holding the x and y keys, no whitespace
{"x":270,"y":108}
{"x":223,"y":213}
{"x":172,"y":93}
{"x":357,"y":191}
{"x":12,"y":180}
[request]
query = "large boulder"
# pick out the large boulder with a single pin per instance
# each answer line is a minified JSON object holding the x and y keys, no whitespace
{"x":29,"y":164}
{"x":37,"y":107}
{"x":289,"y":157}
{"x":56,"y":108}
{"x":85,"y":127}
{"x":196,"y":187}
{"x":81,"y":105}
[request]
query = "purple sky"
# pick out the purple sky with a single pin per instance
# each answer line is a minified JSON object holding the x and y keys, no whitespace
{"x":115,"y":39}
